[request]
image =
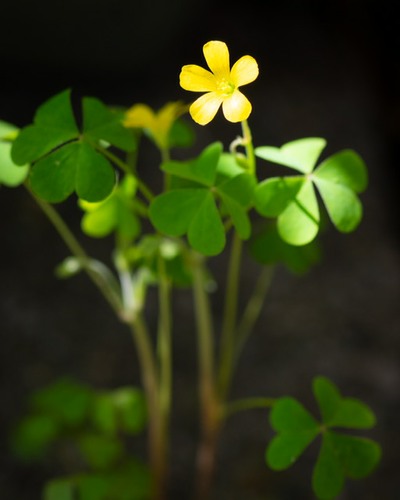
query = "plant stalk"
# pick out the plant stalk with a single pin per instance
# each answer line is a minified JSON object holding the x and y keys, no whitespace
{"x":209,"y":405}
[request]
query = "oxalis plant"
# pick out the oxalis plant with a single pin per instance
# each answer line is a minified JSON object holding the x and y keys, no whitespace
{"x":221,"y":198}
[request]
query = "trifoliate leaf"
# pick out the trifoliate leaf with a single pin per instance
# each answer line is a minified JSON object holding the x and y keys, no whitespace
{"x":74,"y":167}
{"x":100,"y":123}
{"x":239,"y":216}
{"x":341,"y":455}
{"x":54,"y":124}
{"x":302,"y":154}
{"x":239,"y":188}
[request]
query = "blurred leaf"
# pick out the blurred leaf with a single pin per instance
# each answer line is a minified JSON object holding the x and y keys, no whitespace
{"x":301,"y":154}
{"x":132,"y":481}
{"x":11,"y":175}
{"x":100,"y":451}
{"x":8,"y":131}
{"x":115,"y":213}
{"x":60,"y":489}
{"x":131,"y":410}
{"x":94,"y":486}
{"x":181,"y":135}
{"x":238,"y":215}
{"x":268,"y":248}
{"x":33,"y":435}
{"x":202,"y":169}
{"x":101,"y":123}
{"x":76,"y":166}
{"x":54,"y":124}
{"x":104,"y":414}
{"x":65,"y":400}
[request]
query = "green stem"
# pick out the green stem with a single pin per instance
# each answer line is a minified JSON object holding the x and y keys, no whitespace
{"x":210,"y":410}
{"x":128,"y":170}
{"x":228,"y":338}
{"x":247,"y":404}
{"x":248,"y":144}
{"x":77,"y":250}
{"x":253,"y":308}
{"x":157,"y":443}
{"x":164,"y":345}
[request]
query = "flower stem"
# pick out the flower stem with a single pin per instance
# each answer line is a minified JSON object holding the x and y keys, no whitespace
{"x":247,"y":404}
{"x":128,"y":170}
{"x":156,"y":441}
{"x":248,"y":144}
{"x":210,"y":410}
{"x":228,"y":340}
{"x":77,"y":250}
{"x":164,"y":346}
{"x":253,"y":308}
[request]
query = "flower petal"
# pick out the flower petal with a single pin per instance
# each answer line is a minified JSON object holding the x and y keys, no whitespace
{"x":205,"y":108}
{"x":236,"y":107}
{"x":217,"y":57}
{"x":139,"y":115}
{"x":196,"y":79}
{"x":244,"y":71}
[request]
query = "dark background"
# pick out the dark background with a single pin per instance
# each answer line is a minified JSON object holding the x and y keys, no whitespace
{"x":329,"y":69}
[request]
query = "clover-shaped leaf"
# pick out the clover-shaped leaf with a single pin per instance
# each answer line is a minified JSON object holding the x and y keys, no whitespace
{"x":190,"y":207}
{"x":67,"y":160}
{"x":115,"y":213}
{"x":293,"y":199}
{"x":341,"y":455}
{"x":11,"y":175}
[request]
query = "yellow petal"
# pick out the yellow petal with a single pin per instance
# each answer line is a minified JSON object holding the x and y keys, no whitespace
{"x":244,"y":71}
{"x":217,"y":57}
{"x":139,"y":115}
{"x":196,"y":79}
{"x":205,"y":108}
{"x":236,"y":107}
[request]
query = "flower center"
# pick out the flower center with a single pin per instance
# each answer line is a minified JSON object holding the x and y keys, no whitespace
{"x":225,"y":88}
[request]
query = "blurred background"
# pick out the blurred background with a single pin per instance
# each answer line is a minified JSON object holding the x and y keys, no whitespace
{"x":329,"y":69}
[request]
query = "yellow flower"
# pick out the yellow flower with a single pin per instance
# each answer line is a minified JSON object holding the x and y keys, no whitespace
{"x":158,"y":124}
{"x":221,"y":84}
